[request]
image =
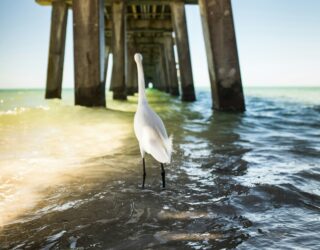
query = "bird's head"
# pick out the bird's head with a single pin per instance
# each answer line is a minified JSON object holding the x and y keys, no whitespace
{"x":138,"y":58}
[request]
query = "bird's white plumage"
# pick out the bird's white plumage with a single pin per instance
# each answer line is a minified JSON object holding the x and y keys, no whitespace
{"x":148,"y":126}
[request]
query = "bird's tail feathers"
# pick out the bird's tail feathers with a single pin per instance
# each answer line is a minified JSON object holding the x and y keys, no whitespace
{"x":167,"y":150}
{"x":169,"y":143}
{"x":169,"y":146}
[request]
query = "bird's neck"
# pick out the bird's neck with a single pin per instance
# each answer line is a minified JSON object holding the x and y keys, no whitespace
{"x":141,"y":84}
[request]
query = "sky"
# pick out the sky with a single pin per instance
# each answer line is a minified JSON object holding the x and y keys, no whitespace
{"x":278,"y":43}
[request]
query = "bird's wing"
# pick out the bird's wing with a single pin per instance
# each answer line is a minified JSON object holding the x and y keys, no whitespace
{"x":155,"y":122}
{"x":152,"y":135}
{"x":154,"y":145}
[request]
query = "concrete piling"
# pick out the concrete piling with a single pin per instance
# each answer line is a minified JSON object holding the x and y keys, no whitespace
{"x":89,"y":49}
{"x":59,"y":17}
{"x":222,"y":55}
{"x":131,"y":78}
{"x":180,"y":28}
{"x":152,"y":28}
{"x":106,"y":61}
{"x":165,"y":69}
{"x":169,"y":52}
{"x":118,"y":79}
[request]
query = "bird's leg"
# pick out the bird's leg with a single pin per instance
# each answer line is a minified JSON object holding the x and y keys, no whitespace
{"x":163,"y":174}
{"x":144,"y":172}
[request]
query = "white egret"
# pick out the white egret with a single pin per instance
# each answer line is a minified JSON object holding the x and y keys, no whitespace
{"x":149,"y":128}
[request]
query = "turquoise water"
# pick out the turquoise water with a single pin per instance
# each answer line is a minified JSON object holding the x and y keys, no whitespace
{"x":70,"y":176}
{"x":304,"y":95}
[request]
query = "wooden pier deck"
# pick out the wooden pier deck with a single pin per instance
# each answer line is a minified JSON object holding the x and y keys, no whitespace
{"x":153,"y":28}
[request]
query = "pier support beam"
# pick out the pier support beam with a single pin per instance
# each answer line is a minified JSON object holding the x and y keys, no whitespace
{"x":165,"y":69}
{"x":118,"y":80}
{"x":222,"y":55}
{"x":106,"y":60}
{"x":89,"y":49}
{"x":135,"y":76}
{"x":180,"y":29}
{"x":155,"y":78}
{"x":131,"y":68}
{"x":160,"y":76}
{"x":172,"y":71}
{"x":56,"y":50}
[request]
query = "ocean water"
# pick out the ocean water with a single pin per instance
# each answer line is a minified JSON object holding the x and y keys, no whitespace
{"x":70,"y":177}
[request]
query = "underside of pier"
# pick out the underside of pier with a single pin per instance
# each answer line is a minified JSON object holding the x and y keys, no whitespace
{"x":155,"y":28}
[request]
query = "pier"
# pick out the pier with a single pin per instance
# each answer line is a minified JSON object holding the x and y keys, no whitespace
{"x":154,"y":28}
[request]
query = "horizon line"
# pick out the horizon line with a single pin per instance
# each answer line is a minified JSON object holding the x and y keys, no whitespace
{"x":201,"y":86}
